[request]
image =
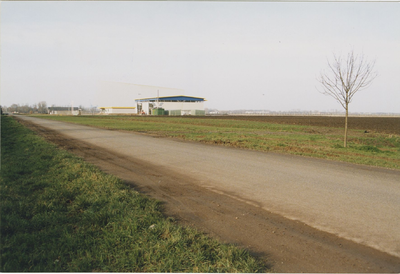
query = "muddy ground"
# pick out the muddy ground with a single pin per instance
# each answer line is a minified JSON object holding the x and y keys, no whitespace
{"x":285,"y":245}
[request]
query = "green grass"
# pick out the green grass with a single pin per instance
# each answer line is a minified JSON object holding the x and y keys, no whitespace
{"x":59,"y":214}
{"x":374,"y":149}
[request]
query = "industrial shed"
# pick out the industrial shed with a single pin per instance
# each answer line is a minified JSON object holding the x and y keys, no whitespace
{"x":171,"y":105}
{"x":63,"y":110}
{"x":118,"y":110}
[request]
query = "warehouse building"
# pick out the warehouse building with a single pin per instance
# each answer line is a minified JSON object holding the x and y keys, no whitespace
{"x":64,"y":110}
{"x":171,"y":105}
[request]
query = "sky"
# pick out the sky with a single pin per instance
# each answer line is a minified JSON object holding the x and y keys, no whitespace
{"x":237,"y":55}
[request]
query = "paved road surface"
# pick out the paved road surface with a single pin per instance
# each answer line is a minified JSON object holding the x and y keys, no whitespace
{"x":355,"y":202}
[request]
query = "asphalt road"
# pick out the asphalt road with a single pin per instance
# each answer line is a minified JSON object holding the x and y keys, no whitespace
{"x":355,"y":202}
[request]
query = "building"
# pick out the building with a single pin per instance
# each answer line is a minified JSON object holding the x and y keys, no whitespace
{"x":171,"y":105}
{"x":64,"y":110}
{"x":118,"y":110}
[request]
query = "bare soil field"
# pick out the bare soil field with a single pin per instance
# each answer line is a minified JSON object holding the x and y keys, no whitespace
{"x":285,"y":245}
{"x":389,"y":125}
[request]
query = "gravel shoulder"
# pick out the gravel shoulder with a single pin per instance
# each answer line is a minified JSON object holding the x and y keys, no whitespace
{"x":286,"y":245}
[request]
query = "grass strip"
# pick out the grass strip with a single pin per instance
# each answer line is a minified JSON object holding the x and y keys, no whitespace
{"x":59,"y":214}
{"x":375,"y":149}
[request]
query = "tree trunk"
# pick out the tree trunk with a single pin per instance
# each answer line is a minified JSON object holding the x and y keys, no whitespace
{"x":345,"y":125}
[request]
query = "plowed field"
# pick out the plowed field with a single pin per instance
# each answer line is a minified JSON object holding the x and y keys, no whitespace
{"x":389,"y":125}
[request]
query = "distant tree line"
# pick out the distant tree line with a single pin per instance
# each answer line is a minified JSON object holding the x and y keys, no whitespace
{"x":40,"y":107}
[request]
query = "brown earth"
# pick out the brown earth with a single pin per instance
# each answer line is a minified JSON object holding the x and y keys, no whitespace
{"x":285,"y":245}
{"x":389,"y":125}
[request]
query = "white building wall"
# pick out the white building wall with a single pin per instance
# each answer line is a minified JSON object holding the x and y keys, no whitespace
{"x":185,"y":107}
{"x":119,"y":110}
{"x":182,"y":105}
{"x":64,"y":112}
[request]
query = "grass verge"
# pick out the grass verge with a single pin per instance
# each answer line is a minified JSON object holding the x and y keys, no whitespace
{"x":376,"y":149}
{"x":59,"y":213}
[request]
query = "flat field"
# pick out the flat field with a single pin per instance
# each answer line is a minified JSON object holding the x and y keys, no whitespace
{"x":372,"y":140}
{"x":389,"y":125}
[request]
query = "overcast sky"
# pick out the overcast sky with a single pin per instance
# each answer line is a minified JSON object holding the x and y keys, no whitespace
{"x":260,"y":55}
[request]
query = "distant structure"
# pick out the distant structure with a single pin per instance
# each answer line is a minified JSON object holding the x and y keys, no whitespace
{"x":64,"y":110}
{"x":118,"y":110}
{"x":171,"y":105}
{"x":122,"y":98}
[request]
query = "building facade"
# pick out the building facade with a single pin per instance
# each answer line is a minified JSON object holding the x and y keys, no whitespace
{"x":64,"y":110}
{"x":170,"y":105}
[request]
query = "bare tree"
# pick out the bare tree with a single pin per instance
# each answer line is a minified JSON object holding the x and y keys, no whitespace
{"x":344,"y":78}
{"x":42,"y":107}
{"x":35,"y":108}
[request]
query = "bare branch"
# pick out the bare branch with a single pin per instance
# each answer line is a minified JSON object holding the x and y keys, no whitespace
{"x":346,"y":77}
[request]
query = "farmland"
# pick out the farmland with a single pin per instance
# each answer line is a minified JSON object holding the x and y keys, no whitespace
{"x":389,"y":125}
{"x":372,"y":140}
{"x":175,"y":172}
